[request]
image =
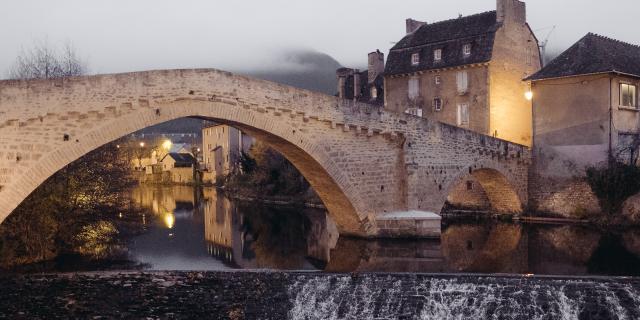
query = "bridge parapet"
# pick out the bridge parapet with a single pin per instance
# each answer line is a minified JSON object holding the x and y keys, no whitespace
{"x":374,"y":162}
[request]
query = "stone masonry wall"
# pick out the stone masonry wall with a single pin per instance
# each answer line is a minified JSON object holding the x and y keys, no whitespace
{"x":362,"y":161}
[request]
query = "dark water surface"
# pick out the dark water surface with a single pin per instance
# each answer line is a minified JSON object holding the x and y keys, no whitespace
{"x":201,"y":229}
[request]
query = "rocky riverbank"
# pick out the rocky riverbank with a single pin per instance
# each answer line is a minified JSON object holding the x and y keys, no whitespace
{"x":278,"y":295}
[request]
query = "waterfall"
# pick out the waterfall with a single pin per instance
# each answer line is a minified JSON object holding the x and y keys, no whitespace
{"x":405,"y":296}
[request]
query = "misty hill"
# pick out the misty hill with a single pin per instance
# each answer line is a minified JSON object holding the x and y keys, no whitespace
{"x":309,"y":70}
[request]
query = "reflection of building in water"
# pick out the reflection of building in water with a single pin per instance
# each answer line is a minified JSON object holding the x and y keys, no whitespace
{"x":223,"y":229}
{"x":230,"y":239}
{"x":170,"y":203}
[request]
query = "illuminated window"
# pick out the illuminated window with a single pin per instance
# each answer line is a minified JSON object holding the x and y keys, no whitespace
{"x":374,"y":93}
{"x":415,"y":59}
{"x":414,"y":88}
{"x":463,"y":115}
{"x":627,"y":95}
{"x":437,"y":79}
{"x":466,"y":49}
{"x":462,"y":79}
{"x":437,"y":54}
{"x":437,"y":104}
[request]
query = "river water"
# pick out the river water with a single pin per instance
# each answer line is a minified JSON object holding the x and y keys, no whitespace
{"x":478,"y":269}
{"x":188,"y":229}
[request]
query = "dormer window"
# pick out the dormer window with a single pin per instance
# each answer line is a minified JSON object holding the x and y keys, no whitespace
{"x":415,"y":59}
{"x":437,"y":55}
{"x":466,"y":50}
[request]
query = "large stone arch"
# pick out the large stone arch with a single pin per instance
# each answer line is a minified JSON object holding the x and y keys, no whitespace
{"x":300,"y":148}
{"x":496,"y":182}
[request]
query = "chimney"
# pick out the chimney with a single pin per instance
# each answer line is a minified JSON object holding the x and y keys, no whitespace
{"x":511,"y":11}
{"x":376,"y":65}
{"x":357,"y":92}
{"x":413,"y":25}
{"x":343,"y":74}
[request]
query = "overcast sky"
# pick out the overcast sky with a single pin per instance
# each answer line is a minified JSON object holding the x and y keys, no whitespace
{"x":130,"y":35}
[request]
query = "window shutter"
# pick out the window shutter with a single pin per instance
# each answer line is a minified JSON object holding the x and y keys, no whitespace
{"x":462,"y":79}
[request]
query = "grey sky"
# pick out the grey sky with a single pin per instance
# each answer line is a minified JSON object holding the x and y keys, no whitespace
{"x":130,"y":35}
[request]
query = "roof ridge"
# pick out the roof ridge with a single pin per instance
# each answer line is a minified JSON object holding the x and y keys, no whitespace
{"x":612,"y":39}
{"x":454,"y":19}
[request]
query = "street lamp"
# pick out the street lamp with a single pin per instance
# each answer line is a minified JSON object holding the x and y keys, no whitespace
{"x":141,"y":144}
{"x":167,"y":145}
{"x":529,"y":95}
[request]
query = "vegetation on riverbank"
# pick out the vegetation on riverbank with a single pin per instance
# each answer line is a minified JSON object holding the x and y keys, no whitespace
{"x":264,"y":174}
{"x":74,"y":211}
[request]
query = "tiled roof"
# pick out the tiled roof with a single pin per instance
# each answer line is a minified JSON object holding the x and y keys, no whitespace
{"x":593,"y":54}
{"x":181,"y":159}
{"x":450,"y":36}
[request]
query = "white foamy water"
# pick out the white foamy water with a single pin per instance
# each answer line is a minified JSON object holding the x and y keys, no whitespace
{"x":421,"y":297}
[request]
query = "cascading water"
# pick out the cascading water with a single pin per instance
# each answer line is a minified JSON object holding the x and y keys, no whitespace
{"x":404,"y":296}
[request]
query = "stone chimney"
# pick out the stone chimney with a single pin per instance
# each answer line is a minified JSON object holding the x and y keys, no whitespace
{"x":511,"y":11}
{"x":413,"y":25}
{"x":343,"y":74}
{"x":376,"y":65}
{"x":356,"y":84}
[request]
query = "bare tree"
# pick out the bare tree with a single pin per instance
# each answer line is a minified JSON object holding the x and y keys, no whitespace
{"x":43,"y":61}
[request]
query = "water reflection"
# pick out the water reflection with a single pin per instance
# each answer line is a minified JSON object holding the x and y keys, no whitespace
{"x":203,"y":229}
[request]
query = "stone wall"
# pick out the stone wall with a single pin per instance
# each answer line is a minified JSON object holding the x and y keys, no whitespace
{"x":468,"y":194}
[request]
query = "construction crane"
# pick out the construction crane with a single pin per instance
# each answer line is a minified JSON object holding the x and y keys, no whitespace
{"x":543,"y":44}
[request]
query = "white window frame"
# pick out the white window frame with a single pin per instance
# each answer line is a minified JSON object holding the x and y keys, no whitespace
{"x":634,"y":95}
{"x":462,"y":115}
{"x":437,"y":55}
{"x":437,"y":79}
{"x":466,"y":49}
{"x":437,"y":104}
{"x":462,"y":81}
{"x":413,"y":88}
{"x":415,"y":59}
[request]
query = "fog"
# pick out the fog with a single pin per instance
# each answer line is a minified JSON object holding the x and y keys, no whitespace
{"x":127,"y":35}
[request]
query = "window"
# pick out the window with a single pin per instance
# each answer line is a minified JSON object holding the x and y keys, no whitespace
{"x":466,"y":49}
{"x":469,"y":185}
{"x":463,"y":115}
{"x":415,"y":59}
{"x":462,"y":79}
{"x":627,"y":95}
{"x":414,"y":88}
{"x":437,"y":54}
{"x":437,"y":104}
{"x":437,"y":79}
{"x":374,"y":93}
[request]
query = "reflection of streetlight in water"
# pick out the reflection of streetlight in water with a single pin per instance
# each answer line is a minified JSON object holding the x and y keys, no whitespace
{"x":169,"y":220}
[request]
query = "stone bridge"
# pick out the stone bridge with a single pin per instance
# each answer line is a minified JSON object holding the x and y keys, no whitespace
{"x":374,"y":170}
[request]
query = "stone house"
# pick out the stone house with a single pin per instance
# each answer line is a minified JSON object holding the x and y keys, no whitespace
{"x":179,"y":166}
{"x":222,"y":147}
{"x":363,"y":86}
{"x":467,"y":72}
{"x":585,"y":109}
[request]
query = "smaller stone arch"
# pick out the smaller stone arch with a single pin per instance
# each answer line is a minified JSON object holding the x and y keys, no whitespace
{"x":493,"y":186}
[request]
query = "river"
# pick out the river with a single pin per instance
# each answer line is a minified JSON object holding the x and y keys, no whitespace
{"x":190,"y":229}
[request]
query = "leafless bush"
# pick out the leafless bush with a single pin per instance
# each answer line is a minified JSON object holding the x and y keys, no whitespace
{"x":44,"y":61}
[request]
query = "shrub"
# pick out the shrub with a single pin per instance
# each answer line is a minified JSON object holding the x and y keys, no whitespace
{"x":613,"y":184}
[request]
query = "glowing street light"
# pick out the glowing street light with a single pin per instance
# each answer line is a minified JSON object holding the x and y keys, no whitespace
{"x":529,"y":95}
{"x":141,"y":144}
{"x":167,"y":145}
